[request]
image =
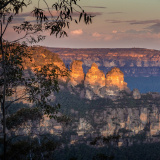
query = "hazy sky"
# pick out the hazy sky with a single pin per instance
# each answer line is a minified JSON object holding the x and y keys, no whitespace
{"x":118,"y":23}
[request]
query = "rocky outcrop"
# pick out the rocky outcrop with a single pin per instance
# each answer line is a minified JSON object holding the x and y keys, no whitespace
{"x":95,"y":77}
{"x":115,"y":78}
{"x":124,"y":121}
{"x":62,"y":71}
{"x":41,"y":57}
{"x":94,"y":80}
{"x":95,"y":83}
{"x":114,"y":83}
{"x":136,"y":94}
{"x":76,"y":74}
{"x":127,"y":122}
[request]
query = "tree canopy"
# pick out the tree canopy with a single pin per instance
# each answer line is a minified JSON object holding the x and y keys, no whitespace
{"x":43,"y":81}
{"x":45,"y":19}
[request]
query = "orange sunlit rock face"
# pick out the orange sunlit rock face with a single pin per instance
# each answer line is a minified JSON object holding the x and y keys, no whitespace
{"x":95,"y":77}
{"x":143,"y":117}
{"x":115,"y":77}
{"x":41,"y":57}
{"x":62,"y":72}
{"x":76,"y":74}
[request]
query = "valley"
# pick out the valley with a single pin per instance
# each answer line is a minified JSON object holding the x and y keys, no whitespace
{"x":103,"y":111}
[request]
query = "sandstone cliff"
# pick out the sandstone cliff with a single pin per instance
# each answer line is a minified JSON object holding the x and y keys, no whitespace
{"x":103,"y":86}
{"x":136,"y":94}
{"x":127,"y":122}
{"x":94,"y":80}
{"x":115,"y":78}
{"x":95,"y":83}
{"x":76,"y":75}
{"x":41,"y":57}
{"x":95,"y":77}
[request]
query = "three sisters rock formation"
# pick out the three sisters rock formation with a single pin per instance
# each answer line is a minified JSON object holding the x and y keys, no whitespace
{"x":96,"y":83}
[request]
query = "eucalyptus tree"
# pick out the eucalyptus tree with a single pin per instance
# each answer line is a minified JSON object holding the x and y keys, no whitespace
{"x":13,"y":54}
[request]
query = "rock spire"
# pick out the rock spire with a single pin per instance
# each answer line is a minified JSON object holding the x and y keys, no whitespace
{"x":76,"y":74}
{"x":94,"y":77}
{"x":115,"y":77}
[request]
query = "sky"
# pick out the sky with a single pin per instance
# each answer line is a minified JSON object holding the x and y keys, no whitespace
{"x":117,"y":24}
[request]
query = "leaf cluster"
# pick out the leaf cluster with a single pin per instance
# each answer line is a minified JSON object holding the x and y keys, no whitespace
{"x":42,"y":85}
{"x":26,"y":147}
{"x":105,"y":140}
{"x":67,"y":11}
{"x":22,"y":116}
{"x":39,"y":86}
{"x":101,"y":156}
{"x":13,"y":64}
{"x":13,"y":6}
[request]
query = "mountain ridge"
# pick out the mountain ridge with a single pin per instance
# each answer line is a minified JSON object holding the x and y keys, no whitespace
{"x":132,"y":61}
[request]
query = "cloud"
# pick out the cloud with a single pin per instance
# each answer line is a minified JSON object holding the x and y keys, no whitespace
{"x":76,"y":14}
{"x":108,"y":37}
{"x":105,"y":37}
{"x":18,"y":20}
{"x":46,"y":12}
{"x":145,"y":22}
{"x":95,"y":7}
{"x":115,"y":12}
{"x":114,"y":31}
{"x":26,"y":14}
{"x":96,"y":34}
{"x":77,"y":32}
{"x":132,"y":31}
{"x":135,"y":21}
{"x":154,"y":28}
{"x":114,"y":21}
{"x":128,"y":36}
{"x":134,"y":35}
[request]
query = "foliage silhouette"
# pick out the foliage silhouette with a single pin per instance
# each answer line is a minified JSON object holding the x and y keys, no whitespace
{"x":12,"y":54}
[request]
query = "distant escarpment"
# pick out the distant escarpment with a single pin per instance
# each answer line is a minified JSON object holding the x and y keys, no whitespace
{"x":132,"y":61}
{"x":95,"y":84}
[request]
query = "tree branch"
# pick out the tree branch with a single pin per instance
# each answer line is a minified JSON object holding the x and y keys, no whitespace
{"x":48,"y":8}
{"x":22,"y":97}
{"x":1,"y":7}
{"x":6,"y":26}
{"x":28,"y":33}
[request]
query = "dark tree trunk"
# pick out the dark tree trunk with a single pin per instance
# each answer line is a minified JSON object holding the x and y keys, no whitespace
{"x":4,"y":93}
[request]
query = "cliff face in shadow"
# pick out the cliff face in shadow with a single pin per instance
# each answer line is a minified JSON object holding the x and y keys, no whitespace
{"x":139,"y":122}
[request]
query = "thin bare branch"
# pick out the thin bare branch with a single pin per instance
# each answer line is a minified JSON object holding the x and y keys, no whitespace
{"x":17,"y":99}
{"x":48,"y":8}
